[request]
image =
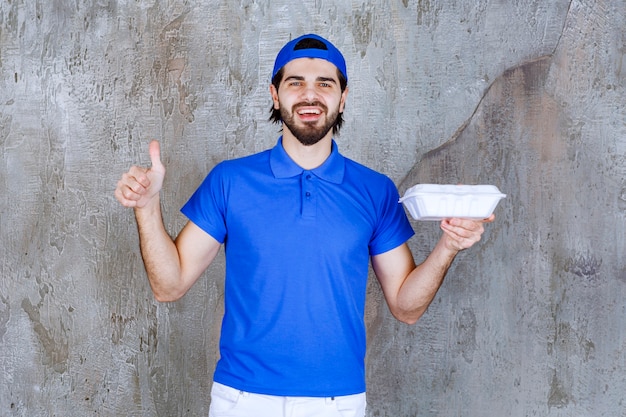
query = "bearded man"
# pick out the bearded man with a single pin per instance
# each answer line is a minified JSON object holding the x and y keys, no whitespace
{"x":300,"y":224}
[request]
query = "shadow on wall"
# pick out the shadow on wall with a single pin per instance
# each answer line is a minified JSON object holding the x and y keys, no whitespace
{"x":526,"y":143}
{"x":514,"y":116}
{"x":546,"y":262}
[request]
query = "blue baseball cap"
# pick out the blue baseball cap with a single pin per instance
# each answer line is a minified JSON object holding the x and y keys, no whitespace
{"x":330,"y":54}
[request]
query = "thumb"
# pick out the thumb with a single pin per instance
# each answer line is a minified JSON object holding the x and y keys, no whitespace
{"x":155,"y":155}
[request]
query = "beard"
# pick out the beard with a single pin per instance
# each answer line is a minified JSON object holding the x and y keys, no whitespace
{"x":310,"y":133}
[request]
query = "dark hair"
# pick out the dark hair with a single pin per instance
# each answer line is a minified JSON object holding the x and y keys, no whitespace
{"x":307,"y":43}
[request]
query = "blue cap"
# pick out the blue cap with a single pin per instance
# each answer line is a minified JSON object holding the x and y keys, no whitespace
{"x":330,"y":54}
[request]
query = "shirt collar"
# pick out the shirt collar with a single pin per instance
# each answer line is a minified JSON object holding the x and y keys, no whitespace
{"x":283,"y":166}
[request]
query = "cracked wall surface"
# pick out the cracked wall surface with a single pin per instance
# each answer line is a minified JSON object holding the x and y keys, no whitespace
{"x":525,"y":95}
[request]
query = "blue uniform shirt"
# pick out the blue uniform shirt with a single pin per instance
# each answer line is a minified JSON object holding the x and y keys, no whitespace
{"x":297,"y":245}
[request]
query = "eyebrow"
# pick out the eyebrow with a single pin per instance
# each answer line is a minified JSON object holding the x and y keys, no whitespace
{"x":318,"y":79}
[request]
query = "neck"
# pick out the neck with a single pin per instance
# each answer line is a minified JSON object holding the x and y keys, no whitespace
{"x":307,"y":157}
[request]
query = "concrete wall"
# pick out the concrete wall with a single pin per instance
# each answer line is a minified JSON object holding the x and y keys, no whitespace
{"x":526,"y":95}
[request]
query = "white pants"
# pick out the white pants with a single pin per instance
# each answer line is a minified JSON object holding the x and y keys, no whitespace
{"x":230,"y":402}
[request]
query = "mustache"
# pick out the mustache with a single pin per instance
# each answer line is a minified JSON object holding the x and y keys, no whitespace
{"x":314,"y":103}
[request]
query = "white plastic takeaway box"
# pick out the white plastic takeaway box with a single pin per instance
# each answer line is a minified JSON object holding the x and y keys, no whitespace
{"x":443,"y":201}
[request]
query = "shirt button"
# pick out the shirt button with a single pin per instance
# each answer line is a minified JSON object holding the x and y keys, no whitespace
{"x":308,"y":194}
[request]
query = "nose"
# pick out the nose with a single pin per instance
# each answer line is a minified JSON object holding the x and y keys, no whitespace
{"x":309,"y":93}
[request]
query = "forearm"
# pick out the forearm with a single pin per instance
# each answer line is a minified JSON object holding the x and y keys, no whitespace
{"x":410,"y":289}
{"x":423,"y":282}
{"x":159,"y":253}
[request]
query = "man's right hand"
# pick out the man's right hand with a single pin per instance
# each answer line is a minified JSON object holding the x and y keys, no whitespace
{"x":139,"y":186}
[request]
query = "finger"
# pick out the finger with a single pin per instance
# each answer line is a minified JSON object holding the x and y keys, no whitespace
{"x":136,"y":178}
{"x":460,"y":243}
{"x":462,"y":226}
{"x":130,"y":190}
{"x":122,"y":198}
{"x":463,"y":232}
{"x":155,"y":155}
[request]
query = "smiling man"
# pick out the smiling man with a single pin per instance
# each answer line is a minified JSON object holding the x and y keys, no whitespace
{"x":300,"y":224}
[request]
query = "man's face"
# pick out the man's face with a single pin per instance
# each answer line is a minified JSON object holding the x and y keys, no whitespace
{"x":309,"y":98}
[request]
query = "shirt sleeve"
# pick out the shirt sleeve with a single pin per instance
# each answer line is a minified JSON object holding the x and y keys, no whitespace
{"x":393,"y":227}
{"x":206,"y":207}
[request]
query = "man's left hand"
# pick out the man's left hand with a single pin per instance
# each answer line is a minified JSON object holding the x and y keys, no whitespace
{"x":460,"y":234}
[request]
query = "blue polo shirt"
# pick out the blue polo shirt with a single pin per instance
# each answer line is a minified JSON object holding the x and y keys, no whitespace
{"x":297,"y":245}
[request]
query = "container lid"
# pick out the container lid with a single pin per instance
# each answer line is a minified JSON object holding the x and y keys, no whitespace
{"x":452,"y":189}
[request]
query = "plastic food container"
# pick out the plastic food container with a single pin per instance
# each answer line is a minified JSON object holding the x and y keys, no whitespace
{"x":443,"y":201}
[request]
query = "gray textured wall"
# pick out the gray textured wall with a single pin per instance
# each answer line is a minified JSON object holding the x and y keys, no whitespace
{"x":526,"y":95}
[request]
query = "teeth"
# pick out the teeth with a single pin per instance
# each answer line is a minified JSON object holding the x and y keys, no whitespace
{"x":309,"y":111}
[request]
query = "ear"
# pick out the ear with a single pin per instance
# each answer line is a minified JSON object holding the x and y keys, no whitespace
{"x":274,"y":94}
{"x":342,"y":103}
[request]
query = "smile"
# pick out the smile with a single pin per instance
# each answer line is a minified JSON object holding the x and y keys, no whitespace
{"x":309,"y":111}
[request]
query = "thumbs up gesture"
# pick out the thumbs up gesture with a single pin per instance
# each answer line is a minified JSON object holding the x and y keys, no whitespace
{"x":139,"y":186}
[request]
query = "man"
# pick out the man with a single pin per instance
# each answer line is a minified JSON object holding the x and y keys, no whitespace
{"x":300,"y":224}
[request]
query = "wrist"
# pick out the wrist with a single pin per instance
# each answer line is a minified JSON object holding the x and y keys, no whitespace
{"x":151,"y":208}
{"x":448,"y":246}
